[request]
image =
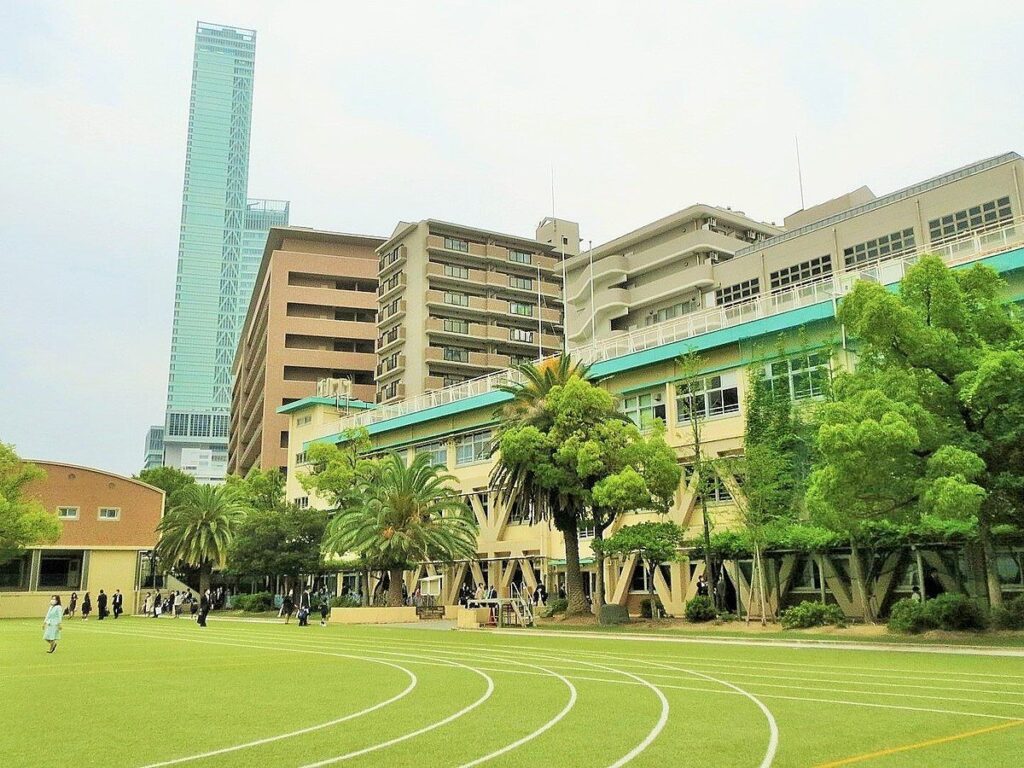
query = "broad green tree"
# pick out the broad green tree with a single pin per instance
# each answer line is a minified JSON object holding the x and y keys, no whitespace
{"x":23,"y":520}
{"x":168,"y":479}
{"x":653,"y":543}
{"x":402,"y":515}
{"x":931,"y":424}
{"x":525,"y":473}
{"x":198,"y":530}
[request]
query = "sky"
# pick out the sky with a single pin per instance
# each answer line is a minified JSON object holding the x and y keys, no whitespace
{"x":366,"y":114}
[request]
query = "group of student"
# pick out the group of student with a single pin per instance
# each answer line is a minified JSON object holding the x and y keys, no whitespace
{"x":116,"y":602}
{"x":173,"y":603}
{"x":305,"y":606}
{"x":469,"y":597}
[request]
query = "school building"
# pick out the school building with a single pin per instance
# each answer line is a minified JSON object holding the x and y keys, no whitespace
{"x":773,"y":304}
{"x":108,"y":532}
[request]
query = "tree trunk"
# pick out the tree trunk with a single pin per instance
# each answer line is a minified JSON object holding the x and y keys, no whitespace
{"x":709,"y":563}
{"x":995,"y":588}
{"x":205,"y":571}
{"x":859,"y":577}
{"x":760,"y":585}
{"x":653,"y":596}
{"x":395,"y":588}
{"x":599,"y":562}
{"x":573,"y":576}
{"x":364,"y":588}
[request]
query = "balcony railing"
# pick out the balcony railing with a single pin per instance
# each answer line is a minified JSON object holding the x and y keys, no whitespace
{"x":971,"y":247}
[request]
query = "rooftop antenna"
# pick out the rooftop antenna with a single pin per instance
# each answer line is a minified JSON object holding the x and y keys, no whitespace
{"x":565,"y":284}
{"x":799,"y":171}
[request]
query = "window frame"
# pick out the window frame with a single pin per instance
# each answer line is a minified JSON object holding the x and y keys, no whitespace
{"x":114,"y":519}
{"x":729,"y":404}
{"x":75,"y":516}
{"x":473,"y":440}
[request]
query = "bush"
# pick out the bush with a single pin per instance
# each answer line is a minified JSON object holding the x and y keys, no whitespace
{"x":645,"y":608}
{"x":344,"y":601}
{"x":955,"y":613}
{"x":909,"y":616}
{"x":1010,"y":615}
{"x":254,"y":603}
{"x":557,"y":605}
{"x":613,"y":614}
{"x":701,"y":609}
{"x":812,"y":614}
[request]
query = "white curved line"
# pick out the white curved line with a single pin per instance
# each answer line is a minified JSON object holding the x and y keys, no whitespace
{"x":548,"y":725}
{"x":413,"y":682}
{"x":419,"y":732}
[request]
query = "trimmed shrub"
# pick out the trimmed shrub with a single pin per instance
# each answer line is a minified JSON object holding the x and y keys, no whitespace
{"x":344,"y":601}
{"x":254,"y":603}
{"x":645,"y":608}
{"x":557,"y":605}
{"x":1010,"y":615}
{"x":812,"y":614}
{"x":909,"y":616}
{"x":613,"y":614}
{"x":955,"y":612}
{"x":701,"y":609}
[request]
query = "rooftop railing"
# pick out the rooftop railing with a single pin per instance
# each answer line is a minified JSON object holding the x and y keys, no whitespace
{"x":890,"y":269}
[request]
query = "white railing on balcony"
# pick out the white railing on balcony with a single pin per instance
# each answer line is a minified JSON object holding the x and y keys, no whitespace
{"x":891,"y":269}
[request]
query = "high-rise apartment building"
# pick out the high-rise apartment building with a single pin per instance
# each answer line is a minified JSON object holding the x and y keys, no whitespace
{"x":154,"y":447}
{"x":458,"y":302}
{"x":662,"y":270}
{"x":220,"y":246}
{"x":313,"y":316}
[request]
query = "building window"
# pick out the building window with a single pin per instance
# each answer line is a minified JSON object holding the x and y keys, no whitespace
{"x":880,"y":248}
{"x":518,"y":360}
{"x":301,"y":457}
{"x":438,"y":453}
{"x":302,"y":502}
{"x":109,"y":513}
{"x":1010,"y":567}
{"x":389,"y":391}
{"x":517,"y":308}
{"x":517,"y":334}
{"x":520,"y":257}
{"x":585,"y":532}
{"x":807,"y":576}
{"x":390,"y":284}
{"x":67,"y":513}
{"x":524,"y":283}
{"x":800,"y":377}
{"x":805,"y":272}
{"x":390,"y":362}
{"x":676,"y":310}
{"x":177,"y":424}
{"x":14,"y":573}
{"x":199,"y":426}
{"x":643,"y":409}
{"x":454,"y":270}
{"x":456,"y":326}
{"x":734,"y":294}
{"x":716,"y":490}
{"x":220,"y":425}
{"x":390,"y":258}
{"x":60,"y":570}
{"x":451,"y":381}
{"x":303,"y":421}
{"x":456,"y":244}
{"x":643,"y":579}
{"x":975,"y":219}
{"x":472,"y":448}
{"x":708,"y":396}
{"x":456,"y":355}
{"x":456,"y":299}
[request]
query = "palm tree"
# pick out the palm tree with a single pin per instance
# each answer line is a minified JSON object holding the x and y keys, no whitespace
{"x":404,"y":514}
{"x":199,"y":529}
{"x":518,"y":485}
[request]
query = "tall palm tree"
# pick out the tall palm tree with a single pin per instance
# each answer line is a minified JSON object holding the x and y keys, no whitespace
{"x":198,"y":530}
{"x":404,"y":514}
{"x":518,"y":485}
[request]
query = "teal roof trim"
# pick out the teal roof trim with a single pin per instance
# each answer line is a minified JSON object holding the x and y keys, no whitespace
{"x":308,"y":402}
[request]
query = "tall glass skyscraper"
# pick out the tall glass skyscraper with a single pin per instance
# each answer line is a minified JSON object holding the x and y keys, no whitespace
{"x":219,"y":250}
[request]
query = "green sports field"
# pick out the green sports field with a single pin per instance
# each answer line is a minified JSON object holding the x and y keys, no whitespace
{"x":144,"y":692}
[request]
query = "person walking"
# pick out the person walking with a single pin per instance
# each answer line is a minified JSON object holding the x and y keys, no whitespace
{"x":147,"y":604}
{"x":156,"y":605}
{"x":101,"y":604}
{"x":324,"y":610}
{"x":204,"y":608}
{"x":52,"y":622}
{"x":72,"y":604}
{"x":287,"y":607}
{"x":118,"y":601}
{"x":179,"y":600}
{"x":86,"y":607}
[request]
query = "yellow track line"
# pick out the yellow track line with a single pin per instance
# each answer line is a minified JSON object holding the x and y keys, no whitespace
{"x":920,"y":745}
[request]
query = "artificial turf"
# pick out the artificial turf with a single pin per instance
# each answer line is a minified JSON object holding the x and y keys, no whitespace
{"x":141,"y":692}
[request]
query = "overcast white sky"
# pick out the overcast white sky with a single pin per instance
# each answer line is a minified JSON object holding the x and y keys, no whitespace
{"x":368,"y":113}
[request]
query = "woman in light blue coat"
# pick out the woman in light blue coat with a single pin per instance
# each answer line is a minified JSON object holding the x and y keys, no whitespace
{"x":51,"y":624}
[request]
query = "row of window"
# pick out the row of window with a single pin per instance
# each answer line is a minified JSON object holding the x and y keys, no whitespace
{"x":197,"y":425}
{"x":390,"y":258}
{"x":462,"y":246}
{"x":879,"y":248}
{"x":808,"y":271}
{"x":979,"y":217}
{"x":800,"y":377}
{"x":391,"y":283}
{"x":740,"y":292}
{"x":103,"y":513}
{"x":469,"y":449}
{"x":676,"y":310}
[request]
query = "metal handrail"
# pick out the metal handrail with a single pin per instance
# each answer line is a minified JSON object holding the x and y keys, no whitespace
{"x":890,"y":269}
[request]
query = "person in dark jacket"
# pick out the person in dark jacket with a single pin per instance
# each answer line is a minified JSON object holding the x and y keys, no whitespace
{"x":101,"y":604}
{"x":325,"y":608}
{"x":287,"y":608}
{"x":204,"y":608}
{"x":72,"y":604}
{"x":86,"y":607}
{"x":118,"y":603}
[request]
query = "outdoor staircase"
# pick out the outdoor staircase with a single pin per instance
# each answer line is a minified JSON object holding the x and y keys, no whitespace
{"x":522,"y":607}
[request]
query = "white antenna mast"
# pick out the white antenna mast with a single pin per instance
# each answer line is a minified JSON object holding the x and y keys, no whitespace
{"x":799,"y":171}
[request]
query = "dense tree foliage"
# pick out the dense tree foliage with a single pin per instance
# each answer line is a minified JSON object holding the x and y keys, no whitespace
{"x":23,"y":520}
{"x":652,"y":543}
{"x":168,"y":479}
